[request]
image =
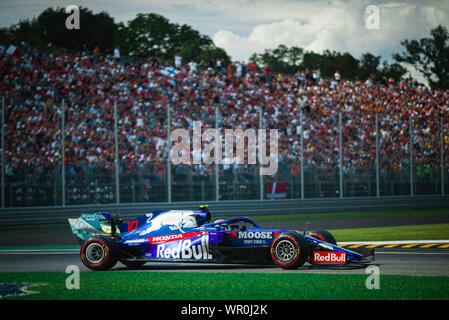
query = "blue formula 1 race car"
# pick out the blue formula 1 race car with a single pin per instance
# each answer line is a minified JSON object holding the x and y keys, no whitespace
{"x":189,"y":236}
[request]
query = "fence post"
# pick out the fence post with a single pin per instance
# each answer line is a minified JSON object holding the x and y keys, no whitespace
{"x":63,"y":152}
{"x":168,"y":154}
{"x":3,"y":152}
{"x":216,"y":150}
{"x":411,"y":155}
{"x":442,"y":153}
{"x":340,"y":159}
{"x":377,"y":158}
{"x":301,"y":114}
{"x":117,"y":163}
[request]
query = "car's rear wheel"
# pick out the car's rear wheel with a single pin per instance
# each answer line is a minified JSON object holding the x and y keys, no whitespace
{"x":289,"y":250}
{"x":99,"y":253}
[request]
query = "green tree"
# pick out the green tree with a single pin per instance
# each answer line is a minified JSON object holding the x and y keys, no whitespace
{"x":430,"y":56}
{"x":211,"y":53}
{"x":330,"y":61}
{"x":147,"y":35}
{"x":369,"y":65}
{"x":394,"y":71}
{"x":49,"y":29}
{"x":281,"y":59}
{"x":312,"y":60}
{"x":345,"y":63}
{"x":144,"y":36}
{"x":4,"y":36}
{"x":152,"y":34}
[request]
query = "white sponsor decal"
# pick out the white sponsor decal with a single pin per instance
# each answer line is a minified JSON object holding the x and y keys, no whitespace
{"x":255,"y":235}
{"x":166,"y":238}
{"x":185,"y":250}
{"x":135,"y":241}
{"x":329,"y":257}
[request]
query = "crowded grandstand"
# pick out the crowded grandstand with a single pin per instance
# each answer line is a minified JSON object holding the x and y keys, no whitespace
{"x":411,"y":120}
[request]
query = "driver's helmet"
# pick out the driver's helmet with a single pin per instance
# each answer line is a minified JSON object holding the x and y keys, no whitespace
{"x":223,"y":226}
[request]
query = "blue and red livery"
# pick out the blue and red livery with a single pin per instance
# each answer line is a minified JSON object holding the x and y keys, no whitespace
{"x":189,"y":236}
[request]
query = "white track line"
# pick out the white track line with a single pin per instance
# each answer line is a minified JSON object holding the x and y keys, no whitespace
{"x":394,"y":242}
{"x":37,"y":252}
{"x":410,"y":253}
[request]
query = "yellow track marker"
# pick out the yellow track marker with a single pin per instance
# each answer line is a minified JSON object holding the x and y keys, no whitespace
{"x":391,"y":246}
{"x":428,"y":245}
{"x":444,"y":246}
{"x":356,"y":246}
{"x":409,"y":245}
{"x":373,"y":245}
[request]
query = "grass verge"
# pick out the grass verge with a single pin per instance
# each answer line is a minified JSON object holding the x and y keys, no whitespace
{"x":318,"y":216}
{"x":412,"y":232}
{"x":227,"y":286}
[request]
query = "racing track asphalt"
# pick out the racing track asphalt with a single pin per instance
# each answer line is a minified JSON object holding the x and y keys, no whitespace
{"x":422,"y":262}
{"x":62,"y":235}
{"x":418,"y":262}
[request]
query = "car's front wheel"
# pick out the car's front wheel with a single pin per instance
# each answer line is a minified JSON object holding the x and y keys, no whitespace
{"x":323,"y":235}
{"x":289,"y":250}
{"x":99,"y":253}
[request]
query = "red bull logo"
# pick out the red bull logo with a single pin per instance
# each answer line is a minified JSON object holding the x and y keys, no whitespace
{"x":194,"y":248}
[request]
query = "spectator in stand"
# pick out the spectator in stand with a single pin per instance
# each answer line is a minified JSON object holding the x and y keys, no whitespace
{"x":337,"y":76}
{"x":37,"y":81}
{"x":368,"y":82}
{"x":239,"y":70}
{"x":220,"y":65}
{"x":316,"y":76}
{"x":229,"y":70}
{"x":117,"y":53}
{"x":266,"y":72}
{"x":252,"y":68}
{"x":178,"y":61}
{"x":154,"y":61}
{"x":96,"y":54}
{"x":391,"y":83}
{"x":193,"y":67}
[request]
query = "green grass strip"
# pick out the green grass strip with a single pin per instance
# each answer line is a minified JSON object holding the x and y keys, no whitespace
{"x":412,"y":232}
{"x":227,"y":286}
{"x":343,"y":215}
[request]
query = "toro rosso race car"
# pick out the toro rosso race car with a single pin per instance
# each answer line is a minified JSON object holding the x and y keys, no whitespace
{"x":189,"y":236}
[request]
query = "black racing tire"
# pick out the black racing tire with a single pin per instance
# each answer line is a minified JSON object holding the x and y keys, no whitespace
{"x":99,"y":253}
{"x":289,"y":250}
{"x":133,"y":264}
{"x":323,"y":235}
